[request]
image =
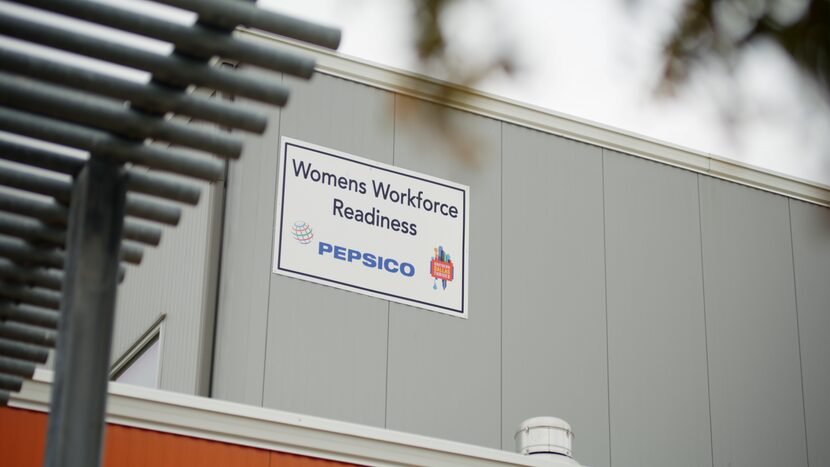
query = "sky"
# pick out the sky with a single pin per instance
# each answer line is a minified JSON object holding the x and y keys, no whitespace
{"x":594,"y":59}
{"x":600,"y":60}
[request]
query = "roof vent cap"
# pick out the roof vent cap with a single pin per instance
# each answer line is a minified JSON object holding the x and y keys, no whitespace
{"x":544,"y":436}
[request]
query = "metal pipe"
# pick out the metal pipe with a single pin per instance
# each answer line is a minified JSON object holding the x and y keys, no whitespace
{"x":60,"y":189}
{"x":111,"y":115}
{"x":103,"y":143}
{"x":170,"y":68}
{"x":22,"y":251}
{"x":233,"y":13}
{"x":55,"y":213}
{"x":35,"y":296}
{"x":139,"y":206}
{"x":30,"y":229}
{"x":28,"y":352}
{"x":131,"y":253}
{"x":35,"y":183}
{"x":15,"y":366}
{"x":138,"y":180}
{"x":196,"y":39}
{"x":10,"y":383}
{"x":29,"y":314}
{"x":47,"y":211}
{"x":48,"y":278}
{"x":141,"y":232}
{"x":150,"y":184}
{"x":148,"y":96}
{"x":27,"y":333}
{"x":79,"y":390}
{"x":40,"y":157}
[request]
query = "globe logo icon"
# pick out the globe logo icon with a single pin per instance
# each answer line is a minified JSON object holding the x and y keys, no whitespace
{"x":302,"y":232}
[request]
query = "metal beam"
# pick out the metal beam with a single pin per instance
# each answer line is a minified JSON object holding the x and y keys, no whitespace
{"x":79,"y":391}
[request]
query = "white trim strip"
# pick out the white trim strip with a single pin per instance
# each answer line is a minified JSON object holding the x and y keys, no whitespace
{"x":506,"y":110}
{"x":275,"y":430}
{"x":138,"y":347}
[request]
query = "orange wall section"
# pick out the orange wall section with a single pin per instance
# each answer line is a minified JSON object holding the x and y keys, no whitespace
{"x":23,"y":437}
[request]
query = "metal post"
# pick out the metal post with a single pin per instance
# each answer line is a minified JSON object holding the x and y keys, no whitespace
{"x":76,"y":421}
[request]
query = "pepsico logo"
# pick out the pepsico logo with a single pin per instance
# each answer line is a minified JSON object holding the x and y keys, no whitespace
{"x":302,"y":232}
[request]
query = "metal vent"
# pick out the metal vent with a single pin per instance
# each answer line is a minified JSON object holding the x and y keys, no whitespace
{"x":544,"y":436}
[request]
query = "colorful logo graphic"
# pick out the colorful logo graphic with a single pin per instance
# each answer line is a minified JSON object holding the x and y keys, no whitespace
{"x":440,"y":268}
{"x":302,"y":232}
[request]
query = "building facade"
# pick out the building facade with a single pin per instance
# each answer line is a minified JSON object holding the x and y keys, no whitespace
{"x":673,"y":307}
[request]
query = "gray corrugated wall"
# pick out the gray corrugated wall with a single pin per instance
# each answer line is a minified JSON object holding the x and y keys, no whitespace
{"x":443,"y":372}
{"x":246,"y":265}
{"x":331,"y":362}
{"x":656,"y":328}
{"x":811,"y":253}
{"x":175,"y":279}
{"x":672,"y":318}
{"x":554,"y":357}
{"x":751,"y":325}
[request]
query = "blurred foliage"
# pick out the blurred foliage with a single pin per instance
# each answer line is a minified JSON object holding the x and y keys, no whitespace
{"x":706,"y":30}
{"x":440,"y":56}
{"x":722,"y":29}
{"x":718,"y":29}
{"x":433,"y":46}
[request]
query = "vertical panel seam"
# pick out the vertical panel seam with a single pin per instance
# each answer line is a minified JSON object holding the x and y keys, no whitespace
{"x":798,"y":334}
{"x":386,"y":375}
{"x":217,"y":282}
{"x":388,"y":303}
{"x":501,"y":286}
{"x":271,"y":262}
{"x":605,"y":287}
{"x":705,"y":323}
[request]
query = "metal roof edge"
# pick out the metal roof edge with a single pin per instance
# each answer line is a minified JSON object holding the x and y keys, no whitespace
{"x":507,"y":110}
{"x":276,"y":430}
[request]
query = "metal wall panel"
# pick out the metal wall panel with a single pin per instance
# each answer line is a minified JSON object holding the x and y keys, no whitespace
{"x":326,"y":348}
{"x":549,"y":218}
{"x":246,"y":267}
{"x":174,"y":279}
{"x":656,"y":328}
{"x":753,"y":352}
{"x":554,"y":359}
{"x":444,"y":371}
{"x":811,"y":249}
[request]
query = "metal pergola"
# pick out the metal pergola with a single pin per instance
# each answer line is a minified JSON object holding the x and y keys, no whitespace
{"x":64,"y":237}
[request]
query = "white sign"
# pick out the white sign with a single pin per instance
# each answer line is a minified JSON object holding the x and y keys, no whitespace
{"x":371,"y":228}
